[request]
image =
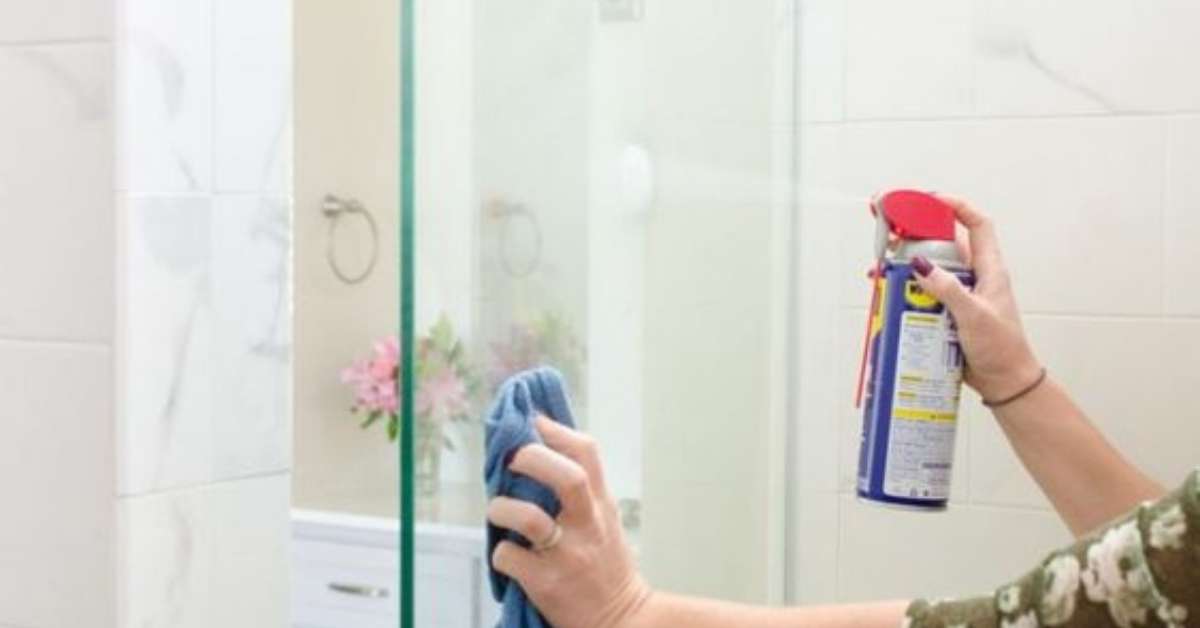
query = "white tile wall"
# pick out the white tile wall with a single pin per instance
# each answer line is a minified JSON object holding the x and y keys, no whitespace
{"x":212,"y":556}
{"x":56,"y":400}
{"x":56,"y":225}
{"x":55,"y":21}
{"x":207,"y":329}
{"x":165,"y":65}
{"x":252,"y":96}
{"x":1068,"y":124}
{"x":905,"y":59}
{"x":886,"y":553}
{"x":1182,"y":222}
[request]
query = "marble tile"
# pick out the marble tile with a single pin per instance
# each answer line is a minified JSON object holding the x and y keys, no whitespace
{"x":1039,"y":179}
{"x":206,"y":378}
{"x":822,"y":74}
{"x":969,"y":550}
{"x":212,"y":556}
{"x":1038,"y":58}
{"x":55,"y":20}
{"x":1182,"y":224}
{"x":253,"y":96}
{"x":250,"y":286}
{"x":1131,"y":376}
{"x":166,"y":428}
{"x":56,"y":226}
{"x":908,"y":59}
{"x":165,"y":69}
{"x":56,"y":401}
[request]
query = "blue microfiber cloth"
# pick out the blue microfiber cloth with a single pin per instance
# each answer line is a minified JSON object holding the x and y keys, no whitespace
{"x":510,"y":426}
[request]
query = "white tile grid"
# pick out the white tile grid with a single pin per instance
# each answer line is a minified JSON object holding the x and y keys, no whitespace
{"x":1111,"y":318}
{"x":205,"y":151}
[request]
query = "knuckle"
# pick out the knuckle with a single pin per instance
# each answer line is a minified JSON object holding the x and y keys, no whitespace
{"x":588,"y":446}
{"x":576,"y":481}
{"x":532,"y":524}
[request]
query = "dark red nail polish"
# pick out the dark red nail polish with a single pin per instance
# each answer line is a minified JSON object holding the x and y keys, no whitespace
{"x":922,"y":266}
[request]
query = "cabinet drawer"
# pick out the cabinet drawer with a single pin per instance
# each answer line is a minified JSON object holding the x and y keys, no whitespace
{"x":355,"y":582}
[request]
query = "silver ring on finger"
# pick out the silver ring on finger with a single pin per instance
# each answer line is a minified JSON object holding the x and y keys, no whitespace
{"x":552,"y":541}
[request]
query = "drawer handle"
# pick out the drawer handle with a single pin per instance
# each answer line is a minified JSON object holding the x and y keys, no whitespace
{"x":360,"y":590}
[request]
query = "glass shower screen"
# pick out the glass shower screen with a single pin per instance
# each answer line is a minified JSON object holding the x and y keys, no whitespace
{"x":603,"y":187}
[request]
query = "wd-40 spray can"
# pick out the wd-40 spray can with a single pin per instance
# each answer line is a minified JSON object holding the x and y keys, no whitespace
{"x":912,"y":360}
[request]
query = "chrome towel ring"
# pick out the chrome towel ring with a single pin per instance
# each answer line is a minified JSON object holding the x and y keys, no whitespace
{"x":334,"y":208}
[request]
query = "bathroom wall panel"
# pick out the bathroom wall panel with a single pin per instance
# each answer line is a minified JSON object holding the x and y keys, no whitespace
{"x":56,"y":227}
{"x":886,"y":553}
{"x":165,"y":97}
{"x":55,"y":20}
{"x":822,"y":63}
{"x":215,"y":555}
{"x":57,"y":534}
{"x":1134,"y":377}
{"x":206,"y":329}
{"x":252,"y":123}
{"x":892,"y":73}
{"x":1038,"y":58}
{"x":1182,"y":223}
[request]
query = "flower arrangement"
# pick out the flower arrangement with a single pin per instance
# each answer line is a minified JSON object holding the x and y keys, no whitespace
{"x":445,"y":384}
{"x":545,"y":339}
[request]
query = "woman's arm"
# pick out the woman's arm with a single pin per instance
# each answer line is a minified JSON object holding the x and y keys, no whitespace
{"x":661,"y":611}
{"x":1088,"y":481}
{"x":585,"y":576}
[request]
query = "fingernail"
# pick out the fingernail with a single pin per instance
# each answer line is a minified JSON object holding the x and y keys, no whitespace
{"x":922,"y":266}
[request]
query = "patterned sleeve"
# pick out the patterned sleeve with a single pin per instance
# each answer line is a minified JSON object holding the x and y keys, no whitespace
{"x":1142,"y":570}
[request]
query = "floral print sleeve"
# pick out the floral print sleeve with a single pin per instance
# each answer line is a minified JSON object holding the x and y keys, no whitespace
{"x":1142,"y":570}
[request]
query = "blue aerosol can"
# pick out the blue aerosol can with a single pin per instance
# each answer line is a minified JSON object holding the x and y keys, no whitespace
{"x":912,"y":360}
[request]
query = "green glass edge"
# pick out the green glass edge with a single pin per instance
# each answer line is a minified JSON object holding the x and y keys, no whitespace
{"x":407,"y":310}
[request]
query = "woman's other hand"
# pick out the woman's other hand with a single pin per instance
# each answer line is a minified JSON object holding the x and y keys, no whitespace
{"x":587,"y":578}
{"x":1000,"y":361}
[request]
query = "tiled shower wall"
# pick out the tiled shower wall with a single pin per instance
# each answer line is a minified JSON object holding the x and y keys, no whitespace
{"x":145,"y":328}
{"x":204,"y":311}
{"x":1072,"y":124}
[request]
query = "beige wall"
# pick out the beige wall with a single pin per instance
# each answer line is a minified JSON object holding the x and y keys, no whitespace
{"x":1085,"y":163}
{"x":347,"y":143}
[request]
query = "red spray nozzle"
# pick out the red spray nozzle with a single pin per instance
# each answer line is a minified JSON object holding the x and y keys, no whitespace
{"x":916,"y":215}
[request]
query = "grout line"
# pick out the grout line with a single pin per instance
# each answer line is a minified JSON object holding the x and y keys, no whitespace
{"x":199,"y":486}
{"x":967,"y":119}
{"x":66,"y":41}
{"x":1164,"y":213}
{"x":57,"y":343}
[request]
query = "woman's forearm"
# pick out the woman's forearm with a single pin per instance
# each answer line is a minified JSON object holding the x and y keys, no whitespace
{"x":1070,"y":459}
{"x":670,"y":611}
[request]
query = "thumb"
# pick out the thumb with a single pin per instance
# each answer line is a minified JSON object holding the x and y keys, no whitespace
{"x":944,"y":286}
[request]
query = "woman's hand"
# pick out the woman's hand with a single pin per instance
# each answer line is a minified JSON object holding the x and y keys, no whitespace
{"x":587,"y":578}
{"x":1000,"y":361}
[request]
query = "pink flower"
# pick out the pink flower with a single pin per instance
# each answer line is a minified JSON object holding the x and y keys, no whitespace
{"x":442,"y":396}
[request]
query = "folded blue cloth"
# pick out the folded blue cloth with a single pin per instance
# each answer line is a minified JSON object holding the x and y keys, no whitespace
{"x":510,"y":426}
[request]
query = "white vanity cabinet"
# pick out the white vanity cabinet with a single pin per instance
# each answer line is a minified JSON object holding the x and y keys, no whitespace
{"x":346,"y":574}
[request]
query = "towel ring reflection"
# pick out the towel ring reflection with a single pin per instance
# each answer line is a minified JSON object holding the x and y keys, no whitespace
{"x":507,"y":214}
{"x":334,"y":207}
